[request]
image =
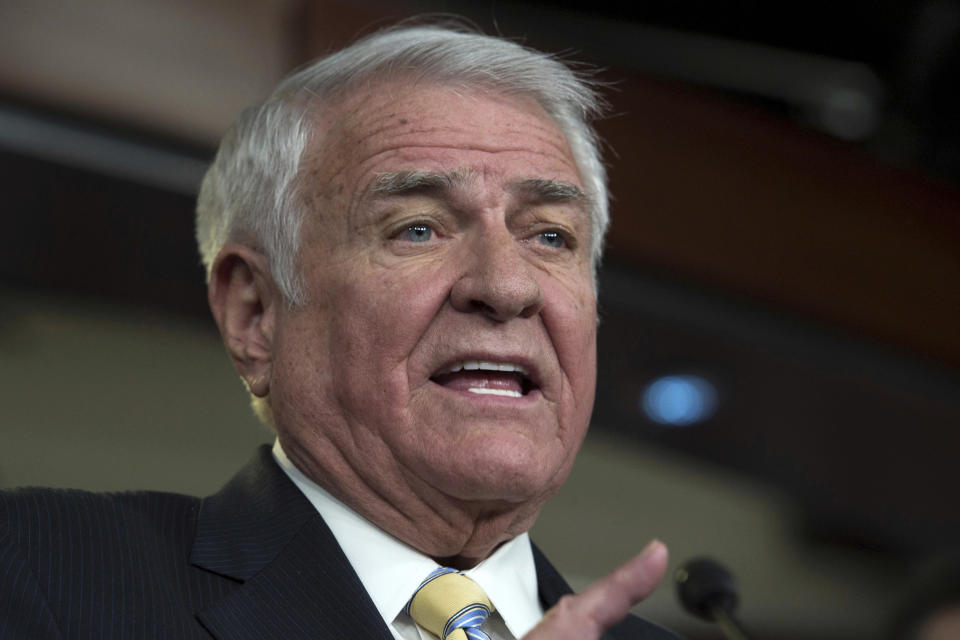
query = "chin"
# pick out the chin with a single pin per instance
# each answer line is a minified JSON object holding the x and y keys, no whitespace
{"x":517,"y":476}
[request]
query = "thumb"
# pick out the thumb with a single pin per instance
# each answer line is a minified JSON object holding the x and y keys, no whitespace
{"x":587,"y":615}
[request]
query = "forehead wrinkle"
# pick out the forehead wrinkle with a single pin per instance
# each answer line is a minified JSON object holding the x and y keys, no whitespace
{"x":410,"y":136}
{"x":354,"y":122}
{"x":345,"y":167}
{"x":370,"y":187}
{"x":371,"y":122}
{"x":397,"y":134}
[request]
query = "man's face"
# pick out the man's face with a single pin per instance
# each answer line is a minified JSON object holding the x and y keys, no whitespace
{"x":446,"y":235}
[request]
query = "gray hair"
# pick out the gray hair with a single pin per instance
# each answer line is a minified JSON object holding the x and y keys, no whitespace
{"x":249,"y":194}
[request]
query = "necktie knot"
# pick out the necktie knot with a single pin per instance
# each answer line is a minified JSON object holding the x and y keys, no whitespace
{"x":451,"y":606}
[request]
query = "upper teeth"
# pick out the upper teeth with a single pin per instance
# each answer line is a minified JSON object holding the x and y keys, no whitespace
{"x":484,"y":365}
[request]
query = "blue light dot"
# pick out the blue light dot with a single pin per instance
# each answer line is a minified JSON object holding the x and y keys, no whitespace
{"x":679,"y":400}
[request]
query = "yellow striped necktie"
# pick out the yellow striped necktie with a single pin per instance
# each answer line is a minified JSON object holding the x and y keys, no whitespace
{"x":451,"y":606}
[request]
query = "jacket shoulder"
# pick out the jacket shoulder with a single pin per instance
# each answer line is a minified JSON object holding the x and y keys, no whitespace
{"x":97,"y":564}
{"x":32,"y":518}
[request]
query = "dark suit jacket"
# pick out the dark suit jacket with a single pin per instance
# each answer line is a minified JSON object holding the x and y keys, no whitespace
{"x":253,"y":561}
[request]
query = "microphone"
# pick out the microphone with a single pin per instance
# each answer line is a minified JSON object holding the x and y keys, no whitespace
{"x":707,"y":590}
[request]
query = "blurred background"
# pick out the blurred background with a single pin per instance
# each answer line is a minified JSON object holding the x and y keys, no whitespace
{"x":779,"y":385}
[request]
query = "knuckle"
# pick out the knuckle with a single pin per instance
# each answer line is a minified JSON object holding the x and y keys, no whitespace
{"x":566,"y":604}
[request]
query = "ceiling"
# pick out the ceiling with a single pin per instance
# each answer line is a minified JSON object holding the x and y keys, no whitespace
{"x":911,"y":47}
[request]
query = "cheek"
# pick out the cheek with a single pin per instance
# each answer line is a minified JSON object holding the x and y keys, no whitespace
{"x":303,"y":376}
{"x":572,"y":323}
{"x":381,"y":318}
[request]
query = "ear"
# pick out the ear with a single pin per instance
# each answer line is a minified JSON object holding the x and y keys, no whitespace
{"x":244,"y":301}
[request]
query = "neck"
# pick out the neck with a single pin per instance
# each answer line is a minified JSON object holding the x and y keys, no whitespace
{"x":456,"y":533}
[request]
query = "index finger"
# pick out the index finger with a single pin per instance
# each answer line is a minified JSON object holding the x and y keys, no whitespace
{"x":587,"y":615}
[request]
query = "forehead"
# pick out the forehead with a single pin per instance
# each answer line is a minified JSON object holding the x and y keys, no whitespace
{"x":414,"y":127}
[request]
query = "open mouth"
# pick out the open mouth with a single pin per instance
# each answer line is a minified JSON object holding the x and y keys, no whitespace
{"x":483,"y":377}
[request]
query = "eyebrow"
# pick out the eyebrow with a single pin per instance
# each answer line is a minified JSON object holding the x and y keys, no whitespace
{"x":401,"y":183}
{"x":546,"y":190}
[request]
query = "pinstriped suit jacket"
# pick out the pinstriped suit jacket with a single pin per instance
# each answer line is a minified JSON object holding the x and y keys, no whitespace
{"x":253,"y":561}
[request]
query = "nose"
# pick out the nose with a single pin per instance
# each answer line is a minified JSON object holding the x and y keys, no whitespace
{"x":497,"y":281}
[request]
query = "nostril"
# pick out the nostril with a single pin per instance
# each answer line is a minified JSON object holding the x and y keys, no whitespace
{"x":498,"y":298}
{"x":482,"y":307}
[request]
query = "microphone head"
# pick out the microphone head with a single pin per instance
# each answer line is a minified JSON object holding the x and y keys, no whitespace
{"x":703,"y":585}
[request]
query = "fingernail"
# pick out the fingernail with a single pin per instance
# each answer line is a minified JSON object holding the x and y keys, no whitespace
{"x":653,"y":547}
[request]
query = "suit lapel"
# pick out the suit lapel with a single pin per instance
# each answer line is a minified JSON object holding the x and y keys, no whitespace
{"x":294,"y":581}
{"x":550,"y":583}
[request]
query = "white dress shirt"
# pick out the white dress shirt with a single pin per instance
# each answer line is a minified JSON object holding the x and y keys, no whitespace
{"x":391,"y":571}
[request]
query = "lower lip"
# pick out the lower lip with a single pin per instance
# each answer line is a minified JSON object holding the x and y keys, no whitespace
{"x":490,"y":399}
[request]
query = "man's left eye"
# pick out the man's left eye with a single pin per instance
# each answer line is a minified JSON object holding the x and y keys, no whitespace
{"x":417,"y":233}
{"x":552,"y":239}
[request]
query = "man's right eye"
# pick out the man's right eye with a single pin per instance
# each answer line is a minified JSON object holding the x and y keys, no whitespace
{"x":416,"y":233}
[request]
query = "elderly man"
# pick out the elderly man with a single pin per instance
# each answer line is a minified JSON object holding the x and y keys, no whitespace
{"x":401,"y":245}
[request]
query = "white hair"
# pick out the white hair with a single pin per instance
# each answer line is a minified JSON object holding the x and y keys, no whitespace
{"x":249,"y":193}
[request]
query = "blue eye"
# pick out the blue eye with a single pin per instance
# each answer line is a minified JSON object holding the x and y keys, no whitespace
{"x":418,"y":233}
{"x":552,"y":239}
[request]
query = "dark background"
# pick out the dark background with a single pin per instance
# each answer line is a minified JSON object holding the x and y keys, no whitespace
{"x":786,"y":225}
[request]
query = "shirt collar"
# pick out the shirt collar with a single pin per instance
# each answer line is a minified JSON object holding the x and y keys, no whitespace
{"x":509,"y":578}
{"x":391,"y":570}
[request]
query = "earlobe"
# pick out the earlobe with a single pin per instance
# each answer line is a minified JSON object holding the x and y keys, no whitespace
{"x":243,"y":299}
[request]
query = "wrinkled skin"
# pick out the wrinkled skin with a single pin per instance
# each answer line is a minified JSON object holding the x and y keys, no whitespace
{"x":401,"y":285}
